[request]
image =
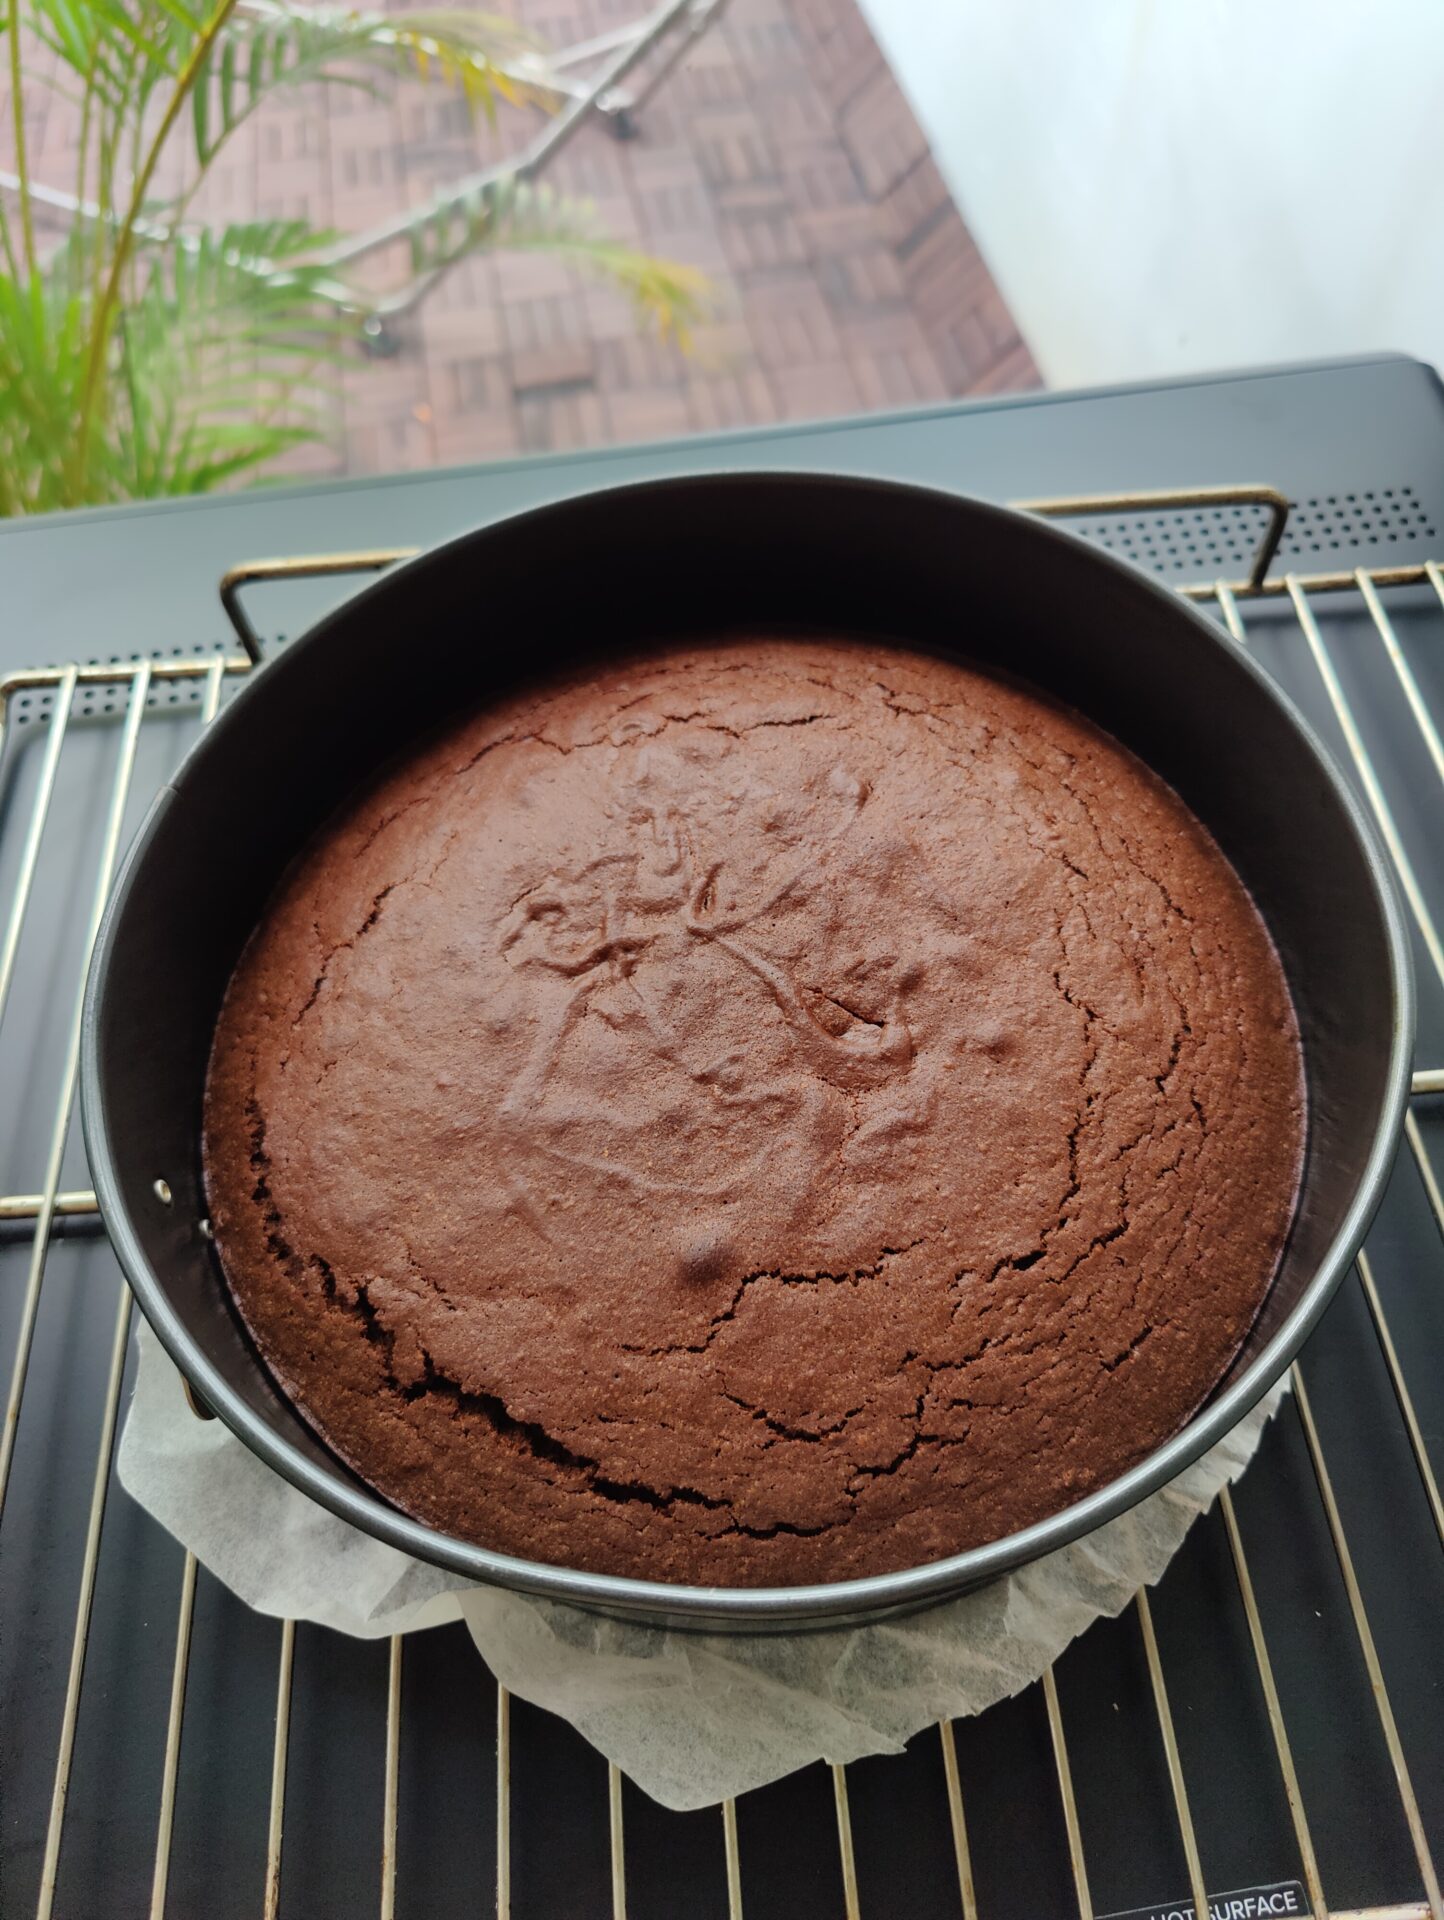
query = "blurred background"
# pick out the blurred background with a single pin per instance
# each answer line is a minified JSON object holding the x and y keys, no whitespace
{"x":771,"y":153}
{"x":433,"y":236}
{"x":1170,"y":189}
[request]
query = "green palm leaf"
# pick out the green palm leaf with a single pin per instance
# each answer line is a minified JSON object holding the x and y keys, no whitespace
{"x":219,"y":349}
{"x":42,"y":340}
{"x":115,"y":51}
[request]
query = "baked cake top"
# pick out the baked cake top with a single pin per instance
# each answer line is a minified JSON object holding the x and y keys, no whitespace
{"x":761,"y":1111}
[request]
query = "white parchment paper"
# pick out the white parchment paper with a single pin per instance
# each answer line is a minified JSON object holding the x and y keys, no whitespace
{"x":692,"y":1718}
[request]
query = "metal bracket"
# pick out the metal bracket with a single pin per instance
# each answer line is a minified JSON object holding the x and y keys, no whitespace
{"x":311,"y":566}
{"x":1090,"y":505}
{"x":1067,"y":507}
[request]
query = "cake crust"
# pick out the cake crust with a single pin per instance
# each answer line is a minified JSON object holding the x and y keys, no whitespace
{"x":762,"y":1111}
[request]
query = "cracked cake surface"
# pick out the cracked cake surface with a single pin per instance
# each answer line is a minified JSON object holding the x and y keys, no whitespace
{"x":761,"y":1111}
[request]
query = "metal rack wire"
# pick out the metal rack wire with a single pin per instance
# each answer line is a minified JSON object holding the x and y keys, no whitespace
{"x":38,"y":1215}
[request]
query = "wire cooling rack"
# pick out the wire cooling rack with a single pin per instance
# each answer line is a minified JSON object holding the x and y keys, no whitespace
{"x":1331,"y":1770}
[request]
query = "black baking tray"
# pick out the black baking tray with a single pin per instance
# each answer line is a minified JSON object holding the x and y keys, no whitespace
{"x":143,"y":581}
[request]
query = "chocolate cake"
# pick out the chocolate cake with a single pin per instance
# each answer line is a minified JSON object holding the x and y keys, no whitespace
{"x":761,"y":1111}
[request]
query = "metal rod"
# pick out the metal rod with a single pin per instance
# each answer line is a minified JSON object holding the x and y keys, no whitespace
{"x":850,"y":1905}
{"x":1366,"y":1644}
{"x":315,"y":566}
{"x":1065,"y":1788}
{"x":61,"y":202}
{"x":733,"y":1858}
{"x":1364,"y":766}
{"x":1426,"y":1168}
{"x":65,"y":1752}
{"x":1423,"y":719}
{"x":578,"y":52}
{"x":157,"y":233}
{"x":368,"y":562}
{"x":30,"y":854}
{"x":103,"y":673}
{"x":310,"y":566}
{"x":1427,"y":1080}
{"x":1224,"y":594}
{"x":393,"y":1781}
{"x":81,"y":1202}
{"x":966,"y":1891}
{"x":1172,"y":1757}
{"x":28,"y":1206}
{"x":1086,"y":506}
{"x":503,"y":1804}
{"x":1297,"y":589}
{"x":700,"y":16}
{"x":170,"y":1767}
{"x":619,"y":1847}
{"x":272,"y":1899}
{"x":165,"y":1824}
{"x":557,"y":82}
{"x":1282,"y":1746}
{"x":1331,"y":582}
{"x":1402,"y":1394}
{"x":211,"y":699}
{"x":110,"y":846}
{"x":1435,"y":578}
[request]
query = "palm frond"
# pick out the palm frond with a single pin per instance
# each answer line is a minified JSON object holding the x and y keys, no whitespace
{"x":42,"y":342}
{"x":525,"y":216}
{"x":117,"y":52}
{"x":267,"y":45}
{"x":214,"y":350}
{"x":203,"y":355}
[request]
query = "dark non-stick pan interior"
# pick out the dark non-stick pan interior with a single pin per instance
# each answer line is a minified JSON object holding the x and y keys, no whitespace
{"x":754,"y":553}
